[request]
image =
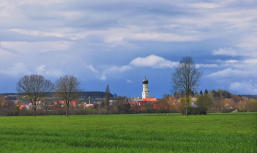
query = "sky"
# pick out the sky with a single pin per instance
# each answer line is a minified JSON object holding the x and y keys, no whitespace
{"x":120,"y":42}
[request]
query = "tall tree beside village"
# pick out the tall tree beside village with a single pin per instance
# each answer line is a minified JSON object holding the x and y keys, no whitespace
{"x":107,"y":96}
{"x":2,"y":100}
{"x":33,"y":88}
{"x":67,"y":90}
{"x":185,"y":79}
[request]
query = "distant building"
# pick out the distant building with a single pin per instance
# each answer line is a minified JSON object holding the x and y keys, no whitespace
{"x":145,"y":93}
{"x":135,"y":99}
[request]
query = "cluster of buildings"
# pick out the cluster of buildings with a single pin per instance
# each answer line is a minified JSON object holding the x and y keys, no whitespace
{"x":146,"y":98}
{"x":89,"y":99}
{"x":96,"y":99}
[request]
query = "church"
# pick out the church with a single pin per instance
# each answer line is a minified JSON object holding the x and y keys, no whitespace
{"x":145,"y":93}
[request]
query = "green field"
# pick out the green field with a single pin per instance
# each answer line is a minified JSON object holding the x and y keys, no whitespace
{"x":153,"y":133}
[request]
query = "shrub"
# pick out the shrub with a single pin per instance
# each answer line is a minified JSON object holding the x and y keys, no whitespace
{"x":251,"y":105}
{"x":203,"y":104}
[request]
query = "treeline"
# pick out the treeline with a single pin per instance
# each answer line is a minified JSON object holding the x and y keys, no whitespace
{"x":202,"y":103}
{"x":214,"y":101}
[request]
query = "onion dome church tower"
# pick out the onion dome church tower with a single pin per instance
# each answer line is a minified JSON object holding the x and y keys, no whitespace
{"x":145,"y":93}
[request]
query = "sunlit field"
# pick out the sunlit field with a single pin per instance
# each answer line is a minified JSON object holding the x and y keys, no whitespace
{"x":149,"y":133}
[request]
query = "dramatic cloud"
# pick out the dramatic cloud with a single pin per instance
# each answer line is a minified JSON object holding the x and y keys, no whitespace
{"x":245,"y":87}
{"x":43,"y":70}
{"x":35,"y":47}
{"x":111,"y":35}
{"x":239,"y":75}
{"x":15,"y":70}
{"x":228,"y":73}
{"x":207,"y":65}
{"x":151,"y":61}
{"x":92,"y":68}
{"x":4,"y":53}
{"x":237,"y":69}
{"x":114,"y":41}
{"x":114,"y":70}
{"x":226,"y":51}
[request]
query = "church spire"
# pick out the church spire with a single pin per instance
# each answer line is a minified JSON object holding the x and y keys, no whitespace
{"x":145,"y":92}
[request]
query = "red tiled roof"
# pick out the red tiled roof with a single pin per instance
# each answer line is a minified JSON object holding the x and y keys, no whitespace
{"x":150,"y":99}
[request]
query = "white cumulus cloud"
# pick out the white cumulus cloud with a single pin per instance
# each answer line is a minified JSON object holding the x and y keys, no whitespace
{"x":153,"y":61}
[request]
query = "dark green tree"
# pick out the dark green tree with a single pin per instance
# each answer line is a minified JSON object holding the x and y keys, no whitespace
{"x":201,"y":92}
{"x":203,"y":103}
{"x":107,"y":97}
{"x":206,"y":92}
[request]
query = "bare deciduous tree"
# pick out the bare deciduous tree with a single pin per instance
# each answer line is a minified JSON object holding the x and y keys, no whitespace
{"x":67,"y":90}
{"x":185,"y":79}
{"x":33,"y":88}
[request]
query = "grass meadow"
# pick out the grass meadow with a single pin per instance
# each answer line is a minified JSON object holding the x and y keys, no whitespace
{"x":139,"y":133}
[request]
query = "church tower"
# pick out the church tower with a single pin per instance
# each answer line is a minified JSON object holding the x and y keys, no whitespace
{"x":145,"y":93}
